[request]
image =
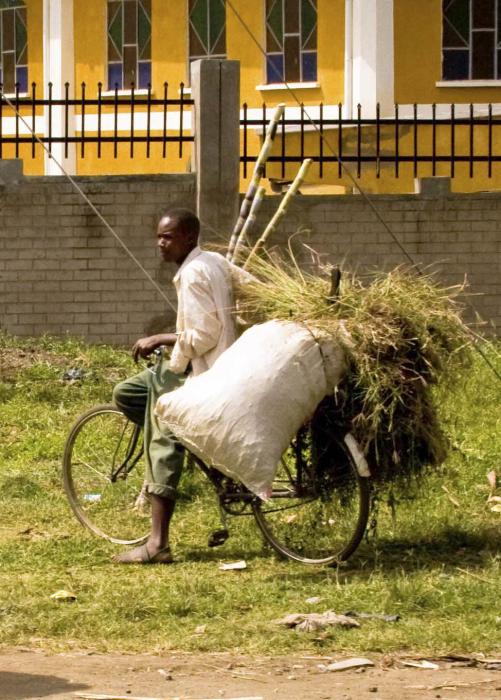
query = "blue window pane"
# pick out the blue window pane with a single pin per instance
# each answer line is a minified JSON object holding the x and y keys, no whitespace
{"x":144,"y":74}
{"x":309,"y":67}
{"x":455,"y":65}
{"x":114,"y":76}
{"x":275,"y":68}
{"x":22,"y":78}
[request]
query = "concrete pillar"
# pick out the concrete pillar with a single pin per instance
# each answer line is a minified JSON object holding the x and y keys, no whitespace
{"x":215,"y":88}
{"x":59,"y":68}
{"x":372,"y":55}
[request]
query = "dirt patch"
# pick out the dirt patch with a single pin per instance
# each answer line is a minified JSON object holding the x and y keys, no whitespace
{"x":35,"y":674}
{"x":14,"y":360}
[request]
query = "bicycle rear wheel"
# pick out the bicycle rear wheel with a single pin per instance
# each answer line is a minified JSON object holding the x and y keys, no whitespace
{"x":316,"y":518}
{"x":103,"y":475}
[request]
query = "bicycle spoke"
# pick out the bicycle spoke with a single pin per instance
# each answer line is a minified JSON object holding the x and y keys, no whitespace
{"x":101,"y":491}
{"x":93,"y":469}
{"x":326,"y":525}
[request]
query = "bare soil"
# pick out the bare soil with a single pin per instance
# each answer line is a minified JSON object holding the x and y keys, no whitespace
{"x":13,"y":360}
{"x":178,"y":676}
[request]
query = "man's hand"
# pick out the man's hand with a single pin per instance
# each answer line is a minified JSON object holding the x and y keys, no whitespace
{"x":145,"y":346}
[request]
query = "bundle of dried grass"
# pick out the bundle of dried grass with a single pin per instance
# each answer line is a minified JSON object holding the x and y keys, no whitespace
{"x":405,"y":336}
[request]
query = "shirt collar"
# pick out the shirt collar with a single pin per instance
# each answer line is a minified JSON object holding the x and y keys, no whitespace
{"x":191,"y":256}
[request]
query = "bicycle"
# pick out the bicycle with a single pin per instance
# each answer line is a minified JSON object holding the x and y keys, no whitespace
{"x":313,"y":516}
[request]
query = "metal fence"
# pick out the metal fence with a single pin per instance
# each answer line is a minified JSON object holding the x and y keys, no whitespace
{"x":133,"y":118}
{"x":415,"y":134}
{"x":438,"y":136}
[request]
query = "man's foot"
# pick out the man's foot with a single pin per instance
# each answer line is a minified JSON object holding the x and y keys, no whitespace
{"x":145,"y":555}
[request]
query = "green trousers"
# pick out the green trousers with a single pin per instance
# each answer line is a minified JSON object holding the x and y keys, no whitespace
{"x":137,"y":397}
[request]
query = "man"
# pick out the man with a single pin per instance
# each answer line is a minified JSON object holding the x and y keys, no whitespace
{"x":205,"y":328}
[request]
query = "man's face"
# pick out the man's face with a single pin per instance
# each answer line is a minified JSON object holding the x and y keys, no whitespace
{"x":173,"y":243}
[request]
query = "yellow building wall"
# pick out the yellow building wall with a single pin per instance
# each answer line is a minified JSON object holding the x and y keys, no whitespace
{"x":418,"y":67}
{"x":418,"y":57}
{"x":417,"y":31}
{"x":330,"y":48}
{"x":31,"y":166}
{"x":330,"y":44}
{"x":465,"y":178}
{"x":169,"y":64}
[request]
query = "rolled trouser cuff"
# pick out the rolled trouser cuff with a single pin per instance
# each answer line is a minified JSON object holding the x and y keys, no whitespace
{"x":162,"y":490}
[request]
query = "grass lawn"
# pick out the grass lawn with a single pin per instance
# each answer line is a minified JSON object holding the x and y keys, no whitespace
{"x":435,"y":559}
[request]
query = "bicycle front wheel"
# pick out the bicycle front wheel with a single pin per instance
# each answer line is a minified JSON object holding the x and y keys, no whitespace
{"x":103,"y":475}
{"x":316,"y":518}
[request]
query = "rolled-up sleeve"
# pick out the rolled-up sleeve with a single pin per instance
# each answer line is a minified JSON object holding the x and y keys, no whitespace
{"x":200,"y":329}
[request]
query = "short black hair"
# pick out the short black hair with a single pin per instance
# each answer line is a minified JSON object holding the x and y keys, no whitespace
{"x":187,"y":220}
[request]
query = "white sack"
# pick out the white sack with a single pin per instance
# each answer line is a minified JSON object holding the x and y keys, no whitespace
{"x":241,"y":414}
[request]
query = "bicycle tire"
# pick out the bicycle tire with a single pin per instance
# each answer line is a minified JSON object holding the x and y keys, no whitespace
{"x":95,"y":447}
{"x":324,"y":527}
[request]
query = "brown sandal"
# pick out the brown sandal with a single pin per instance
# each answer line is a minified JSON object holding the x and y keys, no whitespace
{"x":141,"y":555}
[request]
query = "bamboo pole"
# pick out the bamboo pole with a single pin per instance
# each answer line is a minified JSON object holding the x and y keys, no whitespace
{"x":256,"y":178}
{"x":249,"y":223}
{"x":279,"y":214}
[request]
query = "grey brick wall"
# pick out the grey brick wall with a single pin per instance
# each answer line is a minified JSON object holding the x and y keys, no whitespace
{"x":453,"y":236}
{"x":61,"y":271}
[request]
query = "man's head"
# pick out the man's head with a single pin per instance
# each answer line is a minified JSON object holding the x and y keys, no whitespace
{"x":177,"y":234}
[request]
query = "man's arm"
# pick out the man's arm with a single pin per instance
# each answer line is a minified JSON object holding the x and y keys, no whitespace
{"x":145,"y":346}
{"x":202,"y":327}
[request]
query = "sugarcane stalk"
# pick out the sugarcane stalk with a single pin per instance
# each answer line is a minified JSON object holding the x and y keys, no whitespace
{"x":256,"y":178}
{"x":282,"y":209}
{"x":249,"y":223}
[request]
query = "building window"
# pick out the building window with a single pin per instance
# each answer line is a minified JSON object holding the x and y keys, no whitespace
{"x":13,"y":46}
{"x":129,"y":44}
{"x":471,"y":39}
{"x":207,"y":29}
{"x":291,"y":41}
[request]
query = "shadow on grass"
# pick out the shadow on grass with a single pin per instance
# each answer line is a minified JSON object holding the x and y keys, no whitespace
{"x":454,"y":549}
{"x":17,"y":686}
{"x":454,"y":546}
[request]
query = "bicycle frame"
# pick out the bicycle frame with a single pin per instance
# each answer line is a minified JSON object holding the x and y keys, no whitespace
{"x":131,"y":459}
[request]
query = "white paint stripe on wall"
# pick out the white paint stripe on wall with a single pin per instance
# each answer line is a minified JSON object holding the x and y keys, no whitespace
{"x":406,"y":111}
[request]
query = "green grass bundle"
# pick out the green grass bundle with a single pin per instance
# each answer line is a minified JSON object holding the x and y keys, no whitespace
{"x":403,"y":335}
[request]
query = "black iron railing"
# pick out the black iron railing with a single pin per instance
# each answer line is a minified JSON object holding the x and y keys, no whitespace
{"x":440,"y":137}
{"x":392,"y":141}
{"x":132,"y":118}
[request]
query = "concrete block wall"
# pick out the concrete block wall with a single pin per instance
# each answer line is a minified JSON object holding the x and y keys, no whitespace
{"x":62,"y":271}
{"x":454,"y":236}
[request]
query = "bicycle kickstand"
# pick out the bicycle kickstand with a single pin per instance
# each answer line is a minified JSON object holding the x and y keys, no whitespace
{"x":219,"y":537}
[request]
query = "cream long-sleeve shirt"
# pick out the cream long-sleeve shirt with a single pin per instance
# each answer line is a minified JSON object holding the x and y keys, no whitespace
{"x":205,"y":324}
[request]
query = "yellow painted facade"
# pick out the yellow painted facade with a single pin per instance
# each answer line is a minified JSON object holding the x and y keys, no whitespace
{"x":417,"y":30}
{"x":32,"y":166}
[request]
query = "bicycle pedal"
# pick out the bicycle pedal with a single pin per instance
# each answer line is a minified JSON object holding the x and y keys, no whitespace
{"x":217,"y":538}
